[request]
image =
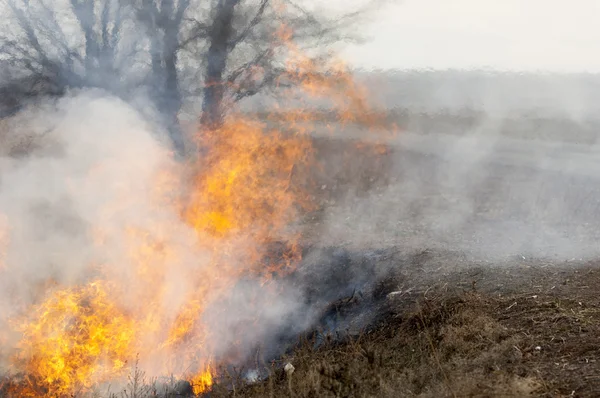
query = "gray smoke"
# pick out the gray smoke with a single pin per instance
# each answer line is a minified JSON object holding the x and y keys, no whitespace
{"x":83,"y":203}
{"x":79,"y":174}
{"x":495,"y":165}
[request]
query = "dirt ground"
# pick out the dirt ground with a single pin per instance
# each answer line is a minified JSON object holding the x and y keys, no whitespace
{"x":449,"y":327}
{"x":444,"y":323}
{"x":450,"y":324}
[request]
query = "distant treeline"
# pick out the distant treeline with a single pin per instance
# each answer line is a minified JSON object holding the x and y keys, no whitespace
{"x":522,"y":125}
{"x":494,"y":93}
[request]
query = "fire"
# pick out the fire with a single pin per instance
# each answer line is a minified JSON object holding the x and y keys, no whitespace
{"x":248,"y":184}
{"x":76,"y":338}
{"x":203,"y":381}
{"x":245,"y":194}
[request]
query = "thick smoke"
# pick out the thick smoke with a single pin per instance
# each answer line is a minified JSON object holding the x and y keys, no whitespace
{"x":90,"y":169}
{"x":95,"y":173}
{"x":80,"y":178}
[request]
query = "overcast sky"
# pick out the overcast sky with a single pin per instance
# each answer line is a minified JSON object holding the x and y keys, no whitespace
{"x":550,"y":35}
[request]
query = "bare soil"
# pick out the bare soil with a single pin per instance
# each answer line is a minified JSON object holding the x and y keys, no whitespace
{"x":450,"y":327}
{"x":451,"y":324}
{"x":445,"y":323}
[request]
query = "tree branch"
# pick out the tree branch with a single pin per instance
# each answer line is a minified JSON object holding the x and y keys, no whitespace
{"x":200,"y":31}
{"x":255,"y":21}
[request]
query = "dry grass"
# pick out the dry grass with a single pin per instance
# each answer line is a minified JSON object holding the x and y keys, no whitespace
{"x":541,"y":339}
{"x":447,"y":348}
{"x":536,"y":335}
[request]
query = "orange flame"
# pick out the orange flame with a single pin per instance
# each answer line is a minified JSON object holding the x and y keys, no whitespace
{"x":248,"y":185}
{"x":77,"y":337}
{"x":203,"y":381}
{"x":246,"y":193}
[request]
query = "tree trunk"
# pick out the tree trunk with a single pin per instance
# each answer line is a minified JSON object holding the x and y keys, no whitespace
{"x":172,"y":101}
{"x":84,"y":12}
{"x":214,"y":89}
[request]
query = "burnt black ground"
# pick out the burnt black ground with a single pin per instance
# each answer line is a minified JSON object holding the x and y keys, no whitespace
{"x":461,"y":266}
{"x":476,"y":256}
{"x":442,"y":325}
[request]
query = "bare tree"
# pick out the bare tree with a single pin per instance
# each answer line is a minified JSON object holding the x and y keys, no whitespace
{"x":72,"y":44}
{"x":162,"y":22}
{"x":221,"y":40}
{"x":242,"y":58}
{"x":214,"y":51}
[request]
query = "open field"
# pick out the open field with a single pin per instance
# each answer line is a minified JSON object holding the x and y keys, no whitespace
{"x":450,"y":327}
{"x":478,"y":192}
{"x":493,"y":284}
{"x":470,"y":269}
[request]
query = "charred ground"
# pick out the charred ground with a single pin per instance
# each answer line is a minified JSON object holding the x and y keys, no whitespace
{"x":524,"y":328}
{"x":445,"y":321}
{"x":400,"y":320}
{"x":442,"y":325}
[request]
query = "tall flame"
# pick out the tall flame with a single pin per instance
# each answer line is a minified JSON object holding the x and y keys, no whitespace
{"x":244,"y":194}
{"x":78,"y":337}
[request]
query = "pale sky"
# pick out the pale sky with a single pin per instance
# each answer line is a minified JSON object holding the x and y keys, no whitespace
{"x":531,"y":35}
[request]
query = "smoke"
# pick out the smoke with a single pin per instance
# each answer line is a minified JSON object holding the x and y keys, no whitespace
{"x":89,"y":191}
{"x":94,"y":201}
{"x":483,"y":167}
{"x":92,"y":152}
{"x":91,"y":201}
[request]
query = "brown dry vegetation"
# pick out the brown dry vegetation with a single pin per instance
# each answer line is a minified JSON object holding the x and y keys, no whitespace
{"x":526,"y":330}
{"x":447,"y":326}
{"x":538,"y":336}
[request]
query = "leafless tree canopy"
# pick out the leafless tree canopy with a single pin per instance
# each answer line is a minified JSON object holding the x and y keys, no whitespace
{"x":175,"y":51}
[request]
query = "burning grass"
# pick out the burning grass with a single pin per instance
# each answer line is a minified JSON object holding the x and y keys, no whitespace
{"x":449,"y":348}
{"x":535,"y":336}
{"x":165,"y":246}
{"x":71,"y":329}
{"x":525,"y":338}
{"x":79,"y":338}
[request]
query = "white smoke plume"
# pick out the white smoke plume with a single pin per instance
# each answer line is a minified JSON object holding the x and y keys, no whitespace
{"x":495,"y":165}
{"x":82,"y":205}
